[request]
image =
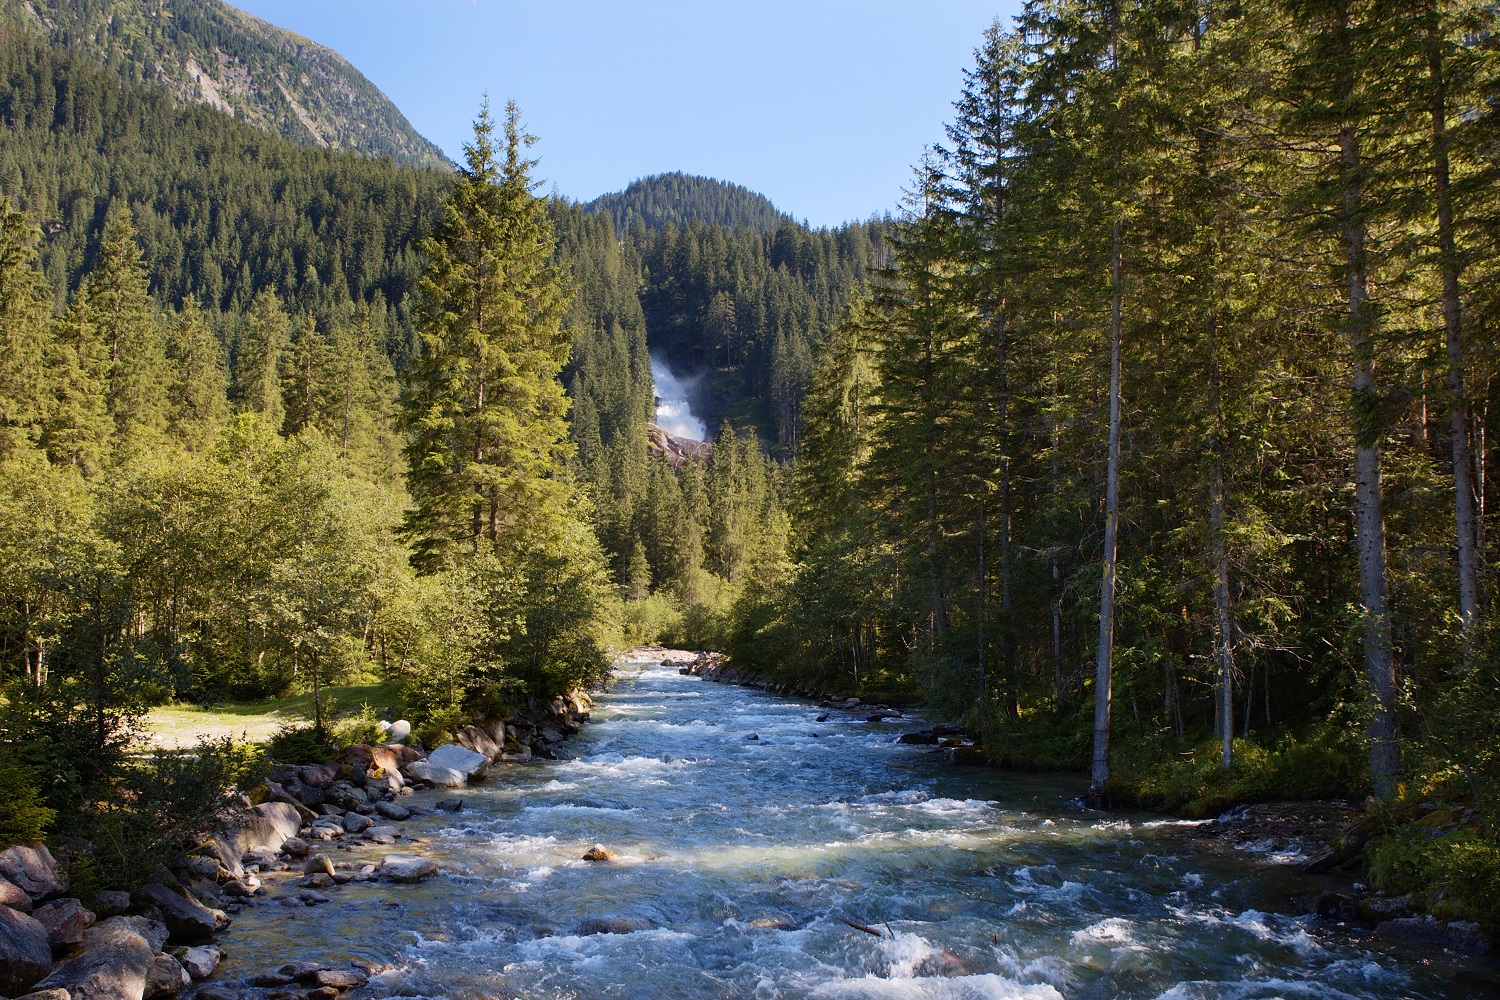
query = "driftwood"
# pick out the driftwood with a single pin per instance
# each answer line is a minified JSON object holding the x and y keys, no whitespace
{"x":861,"y":927}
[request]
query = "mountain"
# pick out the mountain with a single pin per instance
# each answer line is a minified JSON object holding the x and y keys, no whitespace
{"x":681,"y":198}
{"x":211,"y":53}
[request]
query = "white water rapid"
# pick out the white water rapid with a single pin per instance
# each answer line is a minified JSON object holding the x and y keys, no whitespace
{"x":674,"y":414}
{"x":738,"y":856}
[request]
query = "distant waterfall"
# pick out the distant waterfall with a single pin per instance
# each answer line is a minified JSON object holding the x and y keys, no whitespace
{"x":673,"y":412}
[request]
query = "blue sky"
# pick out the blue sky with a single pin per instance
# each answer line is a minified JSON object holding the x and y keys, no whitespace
{"x":823,"y":105}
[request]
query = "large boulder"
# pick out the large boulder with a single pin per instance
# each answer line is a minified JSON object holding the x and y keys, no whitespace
{"x":476,"y":739}
{"x":407,"y":868}
{"x":33,"y":870}
{"x":470,"y":764}
{"x":66,"y":921}
{"x":113,"y":965}
{"x":25,"y":955}
{"x":166,"y":977}
{"x":423,"y":770}
{"x":266,"y":825}
{"x":12,"y":896}
{"x":188,"y":921}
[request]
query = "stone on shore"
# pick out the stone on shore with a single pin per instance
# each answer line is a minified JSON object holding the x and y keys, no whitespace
{"x":391,"y":810}
{"x":407,"y":868}
{"x":33,"y":870}
{"x":188,"y":921}
{"x":1458,"y":935}
{"x":269,"y":824}
{"x":200,"y":962}
{"x":25,"y":955}
{"x":12,"y":896}
{"x":470,"y":764}
{"x":66,"y":921}
{"x":355,"y":823}
{"x":113,"y":965}
{"x":166,"y":977}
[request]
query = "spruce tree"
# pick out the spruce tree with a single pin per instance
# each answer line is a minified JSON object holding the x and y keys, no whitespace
{"x":25,"y":308}
{"x":483,"y":404}
{"x":199,"y":403}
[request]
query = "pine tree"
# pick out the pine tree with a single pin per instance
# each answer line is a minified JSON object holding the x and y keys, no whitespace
{"x":257,"y":365}
{"x":483,"y":404}
{"x":25,"y":307}
{"x":199,"y":403}
{"x":115,"y":302}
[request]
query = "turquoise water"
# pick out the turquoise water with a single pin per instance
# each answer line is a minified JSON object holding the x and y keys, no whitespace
{"x":736,"y":858}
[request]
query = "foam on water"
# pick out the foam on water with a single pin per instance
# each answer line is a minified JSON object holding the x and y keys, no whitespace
{"x":736,"y":857}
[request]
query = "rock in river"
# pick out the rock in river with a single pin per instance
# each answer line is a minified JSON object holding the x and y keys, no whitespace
{"x":188,"y":921}
{"x":407,"y":868}
{"x":598,"y":853}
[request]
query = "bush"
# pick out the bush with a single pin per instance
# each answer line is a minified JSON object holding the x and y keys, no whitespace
{"x":1189,"y":779}
{"x":294,"y":744}
{"x":23,"y":818}
{"x":162,"y":807}
{"x":360,"y":726}
{"x":1458,"y":873}
{"x":649,"y":621}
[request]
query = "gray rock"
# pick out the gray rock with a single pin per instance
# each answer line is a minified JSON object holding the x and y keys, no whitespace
{"x":12,"y":896}
{"x":269,"y":824}
{"x":166,"y":977}
{"x":188,"y":921}
{"x":320,"y":776}
{"x":355,"y":823}
{"x":451,"y":805}
{"x":425,"y":770}
{"x":25,"y":955}
{"x":217,"y":993}
{"x":598,"y":853}
{"x":113,"y":965}
{"x":33,"y":870}
{"x":153,"y":932}
{"x":111,"y":903}
{"x":552,"y":734}
{"x":66,"y":921}
{"x":296,"y":847}
{"x":407,"y":868}
{"x":338,"y":979}
{"x":399,"y":731}
{"x":610,"y":925}
{"x":520,"y":752}
{"x":391,"y":810}
{"x":1459,"y":935}
{"x":320,"y":863}
{"x":200,"y":962}
{"x":381,"y":834}
{"x":58,"y":994}
{"x":466,"y":762}
{"x":346,"y":796}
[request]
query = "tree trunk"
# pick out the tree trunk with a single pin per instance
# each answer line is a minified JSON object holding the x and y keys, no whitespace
{"x":1385,"y":759}
{"x":1458,"y":411}
{"x":1104,"y":658}
{"x":1223,"y":646}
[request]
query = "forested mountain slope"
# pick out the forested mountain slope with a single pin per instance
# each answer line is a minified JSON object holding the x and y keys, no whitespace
{"x":680,"y":198}
{"x":208,"y":52}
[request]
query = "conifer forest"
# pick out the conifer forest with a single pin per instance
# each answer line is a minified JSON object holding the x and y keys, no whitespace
{"x":1145,"y":440}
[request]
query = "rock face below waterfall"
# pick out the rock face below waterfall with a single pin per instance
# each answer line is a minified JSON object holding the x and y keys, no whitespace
{"x":676,"y":450}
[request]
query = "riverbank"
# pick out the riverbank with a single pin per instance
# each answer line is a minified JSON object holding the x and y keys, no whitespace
{"x":157,"y":940}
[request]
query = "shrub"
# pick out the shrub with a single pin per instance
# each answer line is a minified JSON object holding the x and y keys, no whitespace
{"x":294,"y":744}
{"x":1458,"y":873}
{"x":23,"y":817}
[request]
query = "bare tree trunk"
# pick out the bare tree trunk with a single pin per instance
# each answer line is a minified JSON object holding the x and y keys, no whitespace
{"x":1104,"y":657}
{"x":1385,"y":752}
{"x":1458,"y":410}
{"x":1224,"y":644}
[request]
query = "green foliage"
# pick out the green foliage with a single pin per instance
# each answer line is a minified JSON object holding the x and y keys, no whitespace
{"x":1457,"y":873}
{"x":680,"y":199}
{"x":1190,"y":779}
{"x":23,"y":817}
{"x":165,"y":805}
{"x":296,"y":743}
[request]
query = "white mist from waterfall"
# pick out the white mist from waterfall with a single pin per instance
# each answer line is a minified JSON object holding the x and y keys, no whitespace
{"x":673,"y":412}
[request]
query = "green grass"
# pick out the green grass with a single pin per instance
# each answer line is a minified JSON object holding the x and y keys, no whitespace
{"x":176,"y":726}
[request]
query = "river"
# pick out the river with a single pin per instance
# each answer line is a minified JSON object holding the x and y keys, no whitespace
{"x":737,"y":856}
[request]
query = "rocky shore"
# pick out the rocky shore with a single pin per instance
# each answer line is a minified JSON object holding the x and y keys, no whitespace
{"x":952,"y":744}
{"x":157,"y":940}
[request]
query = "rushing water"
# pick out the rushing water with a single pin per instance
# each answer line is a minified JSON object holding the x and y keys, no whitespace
{"x":737,"y":856}
{"x":674,"y":410}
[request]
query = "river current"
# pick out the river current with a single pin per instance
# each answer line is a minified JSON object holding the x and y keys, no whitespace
{"x":737,"y":856}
